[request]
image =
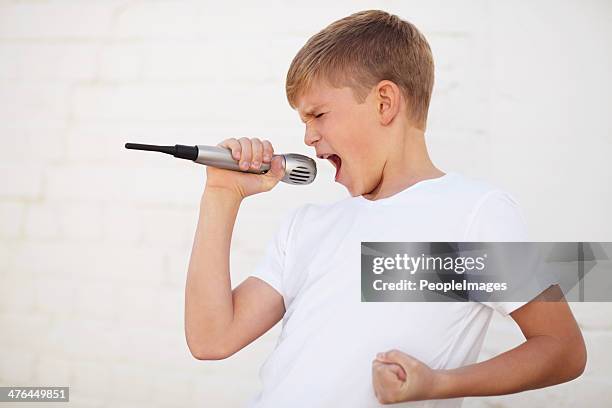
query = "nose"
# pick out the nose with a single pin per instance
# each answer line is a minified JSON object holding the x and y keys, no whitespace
{"x":310,"y":136}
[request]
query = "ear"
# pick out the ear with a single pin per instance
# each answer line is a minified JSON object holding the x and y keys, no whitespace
{"x":388,"y":101}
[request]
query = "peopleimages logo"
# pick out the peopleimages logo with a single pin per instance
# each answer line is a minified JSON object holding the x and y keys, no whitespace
{"x":412,"y":264}
{"x":484,"y":271}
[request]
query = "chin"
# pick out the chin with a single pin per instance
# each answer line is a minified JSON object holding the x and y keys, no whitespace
{"x":355,"y":191}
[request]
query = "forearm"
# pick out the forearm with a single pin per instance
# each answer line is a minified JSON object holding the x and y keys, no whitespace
{"x":539,"y":362}
{"x":208,"y":292}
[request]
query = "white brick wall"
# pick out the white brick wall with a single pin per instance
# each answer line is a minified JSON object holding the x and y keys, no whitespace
{"x":95,"y":240}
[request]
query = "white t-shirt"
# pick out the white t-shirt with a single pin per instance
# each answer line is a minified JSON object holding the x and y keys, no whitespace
{"x":329,"y":337}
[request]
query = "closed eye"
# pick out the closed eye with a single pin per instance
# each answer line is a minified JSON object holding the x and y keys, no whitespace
{"x":320,"y":114}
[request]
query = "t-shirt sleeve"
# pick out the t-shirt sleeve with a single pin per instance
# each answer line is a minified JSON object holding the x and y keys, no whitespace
{"x":271,"y":268}
{"x":498,"y":218}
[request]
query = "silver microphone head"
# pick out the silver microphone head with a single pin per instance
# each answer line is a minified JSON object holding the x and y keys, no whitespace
{"x":299,"y":169}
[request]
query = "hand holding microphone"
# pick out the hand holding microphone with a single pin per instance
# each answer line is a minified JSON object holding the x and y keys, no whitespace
{"x":243,"y":156}
{"x":250,"y":156}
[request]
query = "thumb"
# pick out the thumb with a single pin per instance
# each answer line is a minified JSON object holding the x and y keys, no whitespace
{"x":277,"y":169}
{"x":397,"y":370}
{"x":397,"y":357}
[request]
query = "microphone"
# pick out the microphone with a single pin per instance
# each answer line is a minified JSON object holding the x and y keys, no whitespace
{"x":299,"y":169}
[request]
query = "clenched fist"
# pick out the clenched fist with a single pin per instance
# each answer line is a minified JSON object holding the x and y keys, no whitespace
{"x":250,"y":153}
{"x":398,"y":377}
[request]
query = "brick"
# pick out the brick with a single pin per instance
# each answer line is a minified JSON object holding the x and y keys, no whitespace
{"x":11,"y":220}
{"x":52,"y":259}
{"x":56,"y":19}
{"x":62,"y":61}
{"x":23,"y":331}
{"x":52,"y":371}
{"x":16,"y":295}
{"x":214,"y":391}
{"x":33,"y":101}
{"x":122,"y":61}
{"x":593,"y":315}
{"x":43,"y":222}
{"x":177,"y":101}
{"x":216,"y":61}
{"x":438,"y":16}
{"x":158,"y":20}
{"x":136,"y":306}
{"x":121,"y":224}
{"x":86,"y":402}
{"x":16,"y":367}
{"x":82,"y":340}
{"x":173,"y":389}
{"x":176,"y":264}
{"x":168,"y":227}
{"x":28,"y":186}
{"x":127,"y":266}
{"x":171,"y":308}
{"x":91,"y":380}
{"x":598,"y":353}
{"x":7,"y":257}
{"x":580,"y":392}
{"x":65,"y":221}
{"x":97,"y":301}
{"x":127,"y":184}
{"x":103,"y":142}
{"x":24,"y":145}
{"x":56,"y":297}
{"x":141,"y":344}
{"x":131,"y":384}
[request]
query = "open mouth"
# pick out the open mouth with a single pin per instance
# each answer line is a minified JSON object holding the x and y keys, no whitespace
{"x":335,"y":160}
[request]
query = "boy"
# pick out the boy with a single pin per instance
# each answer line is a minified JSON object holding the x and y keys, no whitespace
{"x":362,"y":87}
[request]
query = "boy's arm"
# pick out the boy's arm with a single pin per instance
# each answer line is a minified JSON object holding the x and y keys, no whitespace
{"x":219,"y":321}
{"x":554,"y":352}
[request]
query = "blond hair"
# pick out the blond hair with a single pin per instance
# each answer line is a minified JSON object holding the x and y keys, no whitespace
{"x":361,"y":50}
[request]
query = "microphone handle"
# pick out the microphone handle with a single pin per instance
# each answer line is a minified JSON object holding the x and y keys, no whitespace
{"x":221,"y":157}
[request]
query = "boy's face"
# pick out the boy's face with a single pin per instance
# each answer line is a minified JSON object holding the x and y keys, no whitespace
{"x":345,"y":132}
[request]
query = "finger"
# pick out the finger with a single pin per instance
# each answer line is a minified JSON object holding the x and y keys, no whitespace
{"x":233,"y":145}
{"x":393,"y":360}
{"x":384,"y":369}
{"x":398,"y":371}
{"x":256,"y":152}
{"x":407,"y":362}
{"x":379,"y":372}
{"x":376,"y":374}
{"x":388,"y":385}
{"x":268,"y":151}
{"x":245,"y":157}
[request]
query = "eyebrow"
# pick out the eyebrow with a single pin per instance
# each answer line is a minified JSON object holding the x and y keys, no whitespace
{"x":310,"y":111}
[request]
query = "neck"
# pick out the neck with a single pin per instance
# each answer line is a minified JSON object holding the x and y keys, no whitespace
{"x":407,"y":163}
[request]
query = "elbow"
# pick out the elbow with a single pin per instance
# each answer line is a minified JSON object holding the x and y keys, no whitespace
{"x":209,"y":354}
{"x":209,"y":351}
{"x":581,"y":360}
{"x":577,"y":360}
